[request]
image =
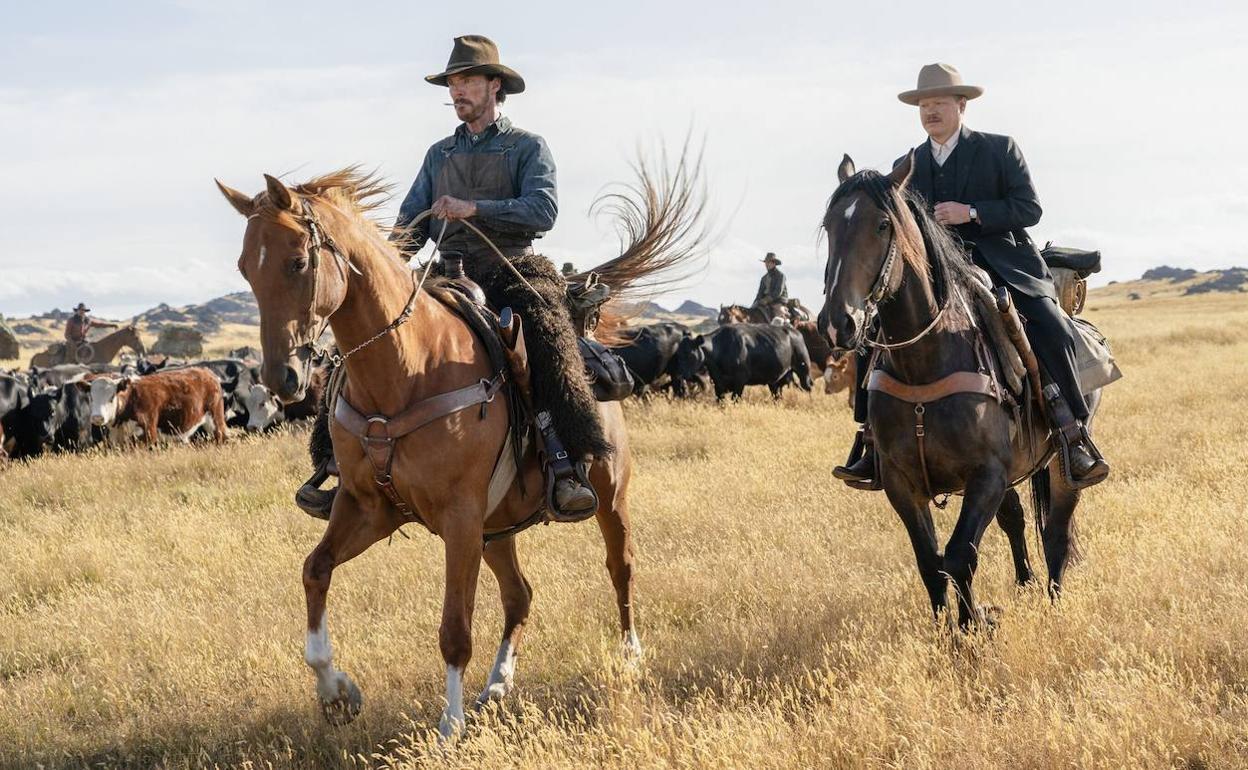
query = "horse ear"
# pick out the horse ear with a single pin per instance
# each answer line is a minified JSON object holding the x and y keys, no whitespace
{"x":279,"y":193}
{"x":900,"y":175}
{"x":846,"y":169}
{"x":242,"y":203}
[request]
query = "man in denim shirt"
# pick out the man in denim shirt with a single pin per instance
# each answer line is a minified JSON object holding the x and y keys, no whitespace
{"x":502,"y":179}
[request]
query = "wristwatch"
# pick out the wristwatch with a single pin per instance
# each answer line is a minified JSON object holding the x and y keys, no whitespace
{"x":974,"y":215}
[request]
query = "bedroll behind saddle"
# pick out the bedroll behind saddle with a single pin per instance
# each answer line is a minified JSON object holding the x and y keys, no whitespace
{"x":1070,"y":269}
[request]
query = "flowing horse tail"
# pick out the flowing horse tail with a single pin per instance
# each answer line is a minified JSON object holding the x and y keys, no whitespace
{"x":661,"y":222}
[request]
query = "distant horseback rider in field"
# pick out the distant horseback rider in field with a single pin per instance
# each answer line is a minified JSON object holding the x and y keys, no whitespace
{"x":76,"y":329}
{"x":978,"y":185}
{"x":502,"y":179}
{"x":773,"y":291}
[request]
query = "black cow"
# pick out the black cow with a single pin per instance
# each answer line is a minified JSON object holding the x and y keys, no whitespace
{"x":14,"y":396}
{"x":34,"y":427}
{"x":650,"y":354}
{"x":56,"y":376}
{"x":738,"y":355}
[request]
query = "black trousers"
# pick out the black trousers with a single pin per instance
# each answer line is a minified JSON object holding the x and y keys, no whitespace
{"x":1052,"y":339}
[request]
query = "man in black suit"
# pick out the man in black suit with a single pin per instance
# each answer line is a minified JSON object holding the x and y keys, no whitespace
{"x":978,"y":185}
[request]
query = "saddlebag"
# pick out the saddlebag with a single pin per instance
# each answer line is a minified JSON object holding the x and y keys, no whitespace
{"x":607,"y":373}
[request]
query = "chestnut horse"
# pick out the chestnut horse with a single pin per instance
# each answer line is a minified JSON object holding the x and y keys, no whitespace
{"x":101,"y":351}
{"x":360,"y":287}
{"x":889,"y":260}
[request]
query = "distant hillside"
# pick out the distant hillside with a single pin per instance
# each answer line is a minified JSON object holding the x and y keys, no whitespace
{"x":689,"y":307}
{"x":233,"y":320}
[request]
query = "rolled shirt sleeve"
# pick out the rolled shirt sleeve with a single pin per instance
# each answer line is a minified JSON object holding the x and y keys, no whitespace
{"x":537,"y":205}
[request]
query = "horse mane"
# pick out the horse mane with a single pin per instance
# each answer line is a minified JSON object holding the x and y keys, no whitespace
{"x":661,"y":222}
{"x":937,"y":246}
{"x":363,"y":191}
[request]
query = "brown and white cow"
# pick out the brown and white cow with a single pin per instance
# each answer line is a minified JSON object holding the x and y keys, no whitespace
{"x":841,"y":374}
{"x":178,"y":402}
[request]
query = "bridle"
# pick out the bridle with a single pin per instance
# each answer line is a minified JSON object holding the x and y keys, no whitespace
{"x":880,"y":293}
{"x":320,"y":239}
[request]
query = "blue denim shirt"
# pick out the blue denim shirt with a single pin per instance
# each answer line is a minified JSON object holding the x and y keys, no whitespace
{"x":531,"y":164}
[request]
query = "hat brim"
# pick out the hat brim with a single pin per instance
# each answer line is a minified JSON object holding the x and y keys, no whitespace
{"x":512,"y":82}
{"x":765,"y":261}
{"x":914,"y":97}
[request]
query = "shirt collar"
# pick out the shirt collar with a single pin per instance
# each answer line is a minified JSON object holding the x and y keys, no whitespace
{"x":501,"y":125}
{"x":944,"y":150}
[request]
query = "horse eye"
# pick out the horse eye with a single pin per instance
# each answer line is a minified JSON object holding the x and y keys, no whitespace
{"x":298,"y":264}
{"x":884,"y":224}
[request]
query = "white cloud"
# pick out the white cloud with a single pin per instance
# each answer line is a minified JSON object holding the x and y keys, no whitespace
{"x":107,"y":191}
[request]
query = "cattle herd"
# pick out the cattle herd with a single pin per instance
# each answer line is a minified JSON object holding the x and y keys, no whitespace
{"x":73,"y":407}
{"x":670,"y":356}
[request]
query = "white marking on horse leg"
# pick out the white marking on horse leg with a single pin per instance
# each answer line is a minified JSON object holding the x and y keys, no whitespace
{"x":632,"y":645}
{"x":849,"y":212}
{"x":319,"y":654}
{"x":453,"y":715}
{"x":260,"y":264}
{"x":501,"y":676}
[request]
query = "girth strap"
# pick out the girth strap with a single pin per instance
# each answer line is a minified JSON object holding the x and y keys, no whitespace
{"x":377,"y":433}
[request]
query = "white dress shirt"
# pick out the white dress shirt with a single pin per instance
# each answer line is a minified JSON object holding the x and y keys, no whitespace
{"x":941,"y":152}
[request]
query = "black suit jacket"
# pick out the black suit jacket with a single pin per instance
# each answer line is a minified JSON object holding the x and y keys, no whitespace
{"x":993,"y":177}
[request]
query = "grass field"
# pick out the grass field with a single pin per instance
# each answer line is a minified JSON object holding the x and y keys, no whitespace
{"x":151,"y":611}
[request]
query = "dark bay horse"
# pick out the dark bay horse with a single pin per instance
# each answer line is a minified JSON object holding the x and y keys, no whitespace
{"x":889,"y":261}
{"x":442,"y":471}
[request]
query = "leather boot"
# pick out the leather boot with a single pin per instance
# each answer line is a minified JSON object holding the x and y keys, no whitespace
{"x":859,"y":470}
{"x":1085,"y":467}
{"x":574,"y":500}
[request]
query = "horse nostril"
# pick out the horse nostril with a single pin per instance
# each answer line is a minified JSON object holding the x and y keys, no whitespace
{"x":848,"y":328}
{"x":291,"y":380}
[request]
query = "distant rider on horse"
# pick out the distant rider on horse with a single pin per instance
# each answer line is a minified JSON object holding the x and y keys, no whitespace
{"x":978,"y":185}
{"x":773,"y":291}
{"x":76,"y":329}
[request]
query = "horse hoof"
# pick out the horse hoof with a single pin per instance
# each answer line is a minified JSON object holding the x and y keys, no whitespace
{"x":493,"y":694}
{"x":633,"y":651}
{"x":346,"y":707}
{"x":449,"y":726}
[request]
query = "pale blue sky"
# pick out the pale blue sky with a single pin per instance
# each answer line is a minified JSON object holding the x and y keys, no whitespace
{"x":114,"y":117}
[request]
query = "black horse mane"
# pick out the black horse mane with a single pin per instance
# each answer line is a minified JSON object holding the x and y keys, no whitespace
{"x":941,"y":246}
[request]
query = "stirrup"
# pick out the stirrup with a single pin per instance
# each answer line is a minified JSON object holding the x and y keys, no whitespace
{"x":860,"y":478}
{"x":1100,"y":470}
{"x":313,"y":500}
{"x":588,"y":505}
{"x":1068,"y":433}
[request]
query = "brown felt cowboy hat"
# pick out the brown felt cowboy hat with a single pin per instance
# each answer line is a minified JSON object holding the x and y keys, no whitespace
{"x":771,"y":257}
{"x":939,"y":80}
{"x":478,"y":55}
{"x":82,"y":307}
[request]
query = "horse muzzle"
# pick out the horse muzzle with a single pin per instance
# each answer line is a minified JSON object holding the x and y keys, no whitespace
{"x":844,"y":326}
{"x":287,"y":379}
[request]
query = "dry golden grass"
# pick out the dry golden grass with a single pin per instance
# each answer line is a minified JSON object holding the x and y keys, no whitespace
{"x":151,"y":611}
